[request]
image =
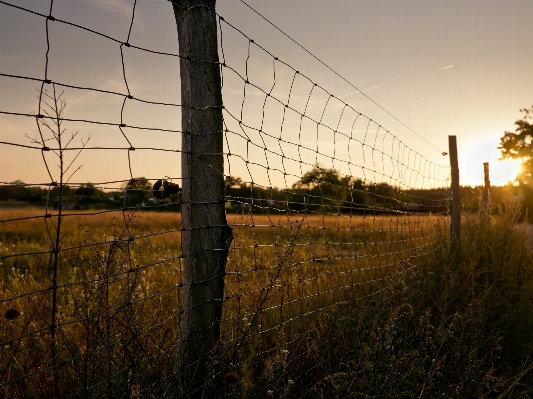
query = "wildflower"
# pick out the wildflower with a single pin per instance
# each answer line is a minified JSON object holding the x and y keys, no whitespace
{"x":390,"y":348}
{"x":270,"y":392}
{"x":290,"y":382}
{"x":285,"y":352}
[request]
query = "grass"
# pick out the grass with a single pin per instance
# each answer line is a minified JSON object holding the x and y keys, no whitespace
{"x":316,"y":306}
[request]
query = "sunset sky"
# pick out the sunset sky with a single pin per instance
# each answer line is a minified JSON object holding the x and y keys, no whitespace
{"x":442,"y":67}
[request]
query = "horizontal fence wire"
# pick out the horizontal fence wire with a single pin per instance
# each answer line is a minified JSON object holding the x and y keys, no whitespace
{"x":327,"y":207}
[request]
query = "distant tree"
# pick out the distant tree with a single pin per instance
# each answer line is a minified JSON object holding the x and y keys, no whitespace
{"x":519,"y":145}
{"x":87,"y":195}
{"x":18,"y":191}
{"x":320,"y":189}
{"x":242,"y":195}
{"x":87,"y":190}
{"x":15,"y":191}
{"x":236,"y":189}
{"x":64,"y":192}
{"x":356,"y":197}
{"x":139,"y":190}
{"x":234,"y":182}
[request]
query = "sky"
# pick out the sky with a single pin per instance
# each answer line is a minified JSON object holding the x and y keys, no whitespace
{"x":440,"y":67}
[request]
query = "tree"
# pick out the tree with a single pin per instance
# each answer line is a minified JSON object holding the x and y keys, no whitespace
{"x":320,"y":189}
{"x":87,"y":195}
{"x":234,"y":182}
{"x":519,"y":145}
{"x":138,"y":190}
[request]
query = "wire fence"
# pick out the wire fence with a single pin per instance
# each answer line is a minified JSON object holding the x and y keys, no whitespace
{"x":326,"y":208}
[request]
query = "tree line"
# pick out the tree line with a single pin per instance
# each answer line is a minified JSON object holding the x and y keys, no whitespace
{"x":137,"y":192}
{"x":318,"y":190}
{"x":322,"y":190}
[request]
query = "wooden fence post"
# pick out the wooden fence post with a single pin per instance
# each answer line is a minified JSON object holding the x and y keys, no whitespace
{"x":455,"y":228}
{"x":205,"y":234}
{"x":486,"y":191}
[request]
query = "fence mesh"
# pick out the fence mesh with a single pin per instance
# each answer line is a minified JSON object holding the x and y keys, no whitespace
{"x":326,"y":205}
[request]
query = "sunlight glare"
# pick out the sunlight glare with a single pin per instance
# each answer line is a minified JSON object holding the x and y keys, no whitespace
{"x":485,"y":150}
{"x":504,"y":171}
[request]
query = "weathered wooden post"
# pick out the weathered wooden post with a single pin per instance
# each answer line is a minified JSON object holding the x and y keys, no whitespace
{"x":455,"y":228}
{"x":486,"y":191}
{"x":205,"y":235}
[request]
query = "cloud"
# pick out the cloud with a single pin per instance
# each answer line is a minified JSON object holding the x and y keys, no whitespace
{"x":119,"y":8}
{"x":446,"y":67}
{"x":113,"y":84}
{"x":350,"y":94}
{"x":371,"y":88}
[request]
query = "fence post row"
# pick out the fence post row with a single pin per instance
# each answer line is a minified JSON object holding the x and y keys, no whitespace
{"x":205,"y":234}
{"x":455,"y":228}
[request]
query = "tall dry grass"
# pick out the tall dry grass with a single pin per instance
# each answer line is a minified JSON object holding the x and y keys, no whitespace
{"x":315,"y":306}
{"x":456,"y":325}
{"x":118,"y":303}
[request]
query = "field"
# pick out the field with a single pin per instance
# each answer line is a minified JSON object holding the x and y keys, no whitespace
{"x":315,"y":306}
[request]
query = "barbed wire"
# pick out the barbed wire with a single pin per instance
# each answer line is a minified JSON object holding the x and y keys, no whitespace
{"x":97,"y":317}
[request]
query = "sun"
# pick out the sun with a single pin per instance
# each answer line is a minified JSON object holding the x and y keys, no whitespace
{"x":504,"y":171}
{"x":474,"y":154}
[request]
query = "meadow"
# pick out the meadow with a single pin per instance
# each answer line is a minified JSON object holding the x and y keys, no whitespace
{"x":315,"y":306}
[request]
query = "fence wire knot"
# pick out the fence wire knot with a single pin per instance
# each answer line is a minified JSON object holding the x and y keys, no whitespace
{"x":163,"y":189}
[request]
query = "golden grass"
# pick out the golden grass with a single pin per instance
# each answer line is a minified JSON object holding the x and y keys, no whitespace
{"x":118,"y":300}
{"x":330,"y":260}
